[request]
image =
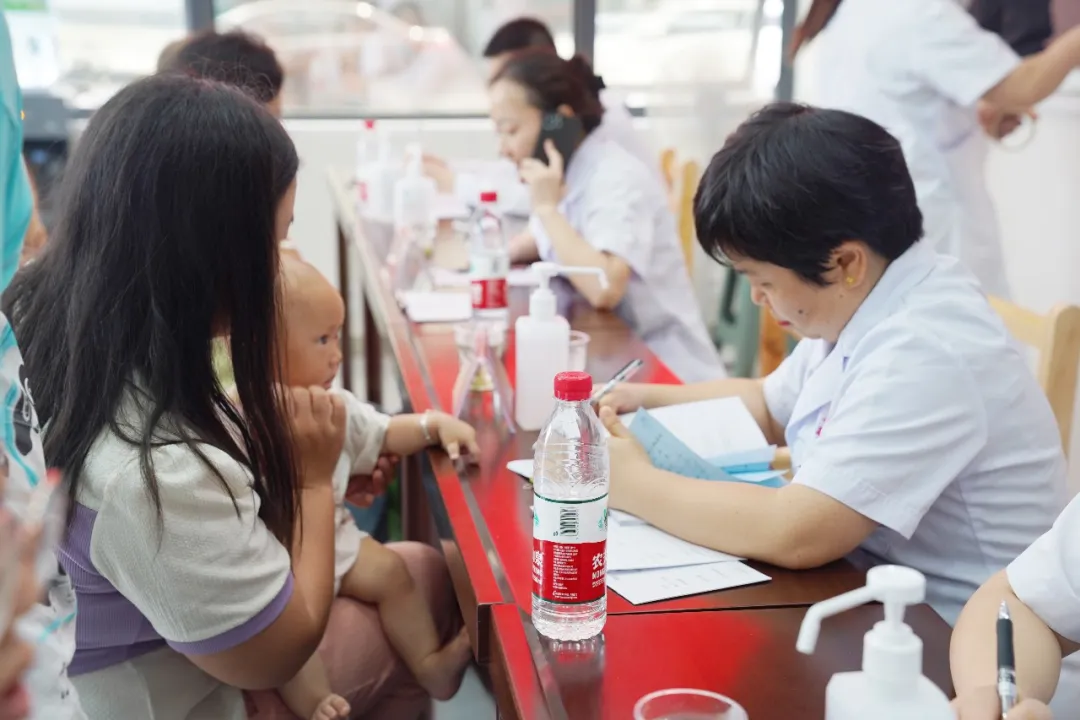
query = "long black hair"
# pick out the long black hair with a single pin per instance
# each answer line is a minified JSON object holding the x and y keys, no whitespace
{"x":165,"y":238}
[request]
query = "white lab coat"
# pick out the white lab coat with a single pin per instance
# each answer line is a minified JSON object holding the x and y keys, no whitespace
{"x":619,"y":207}
{"x":925,"y":418}
{"x":1046,"y":577}
{"x":918,"y":67}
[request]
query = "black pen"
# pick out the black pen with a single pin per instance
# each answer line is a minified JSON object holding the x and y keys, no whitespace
{"x":1006,"y":677}
{"x":622,"y":376}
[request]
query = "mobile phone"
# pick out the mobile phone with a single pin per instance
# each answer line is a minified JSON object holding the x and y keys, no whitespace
{"x":566,"y":132}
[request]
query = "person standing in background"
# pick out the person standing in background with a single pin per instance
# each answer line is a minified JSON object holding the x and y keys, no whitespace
{"x":50,"y":625}
{"x":926,"y":71}
{"x":1024,"y":24}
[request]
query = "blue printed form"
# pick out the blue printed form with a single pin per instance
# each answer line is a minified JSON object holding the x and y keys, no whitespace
{"x":669,"y":453}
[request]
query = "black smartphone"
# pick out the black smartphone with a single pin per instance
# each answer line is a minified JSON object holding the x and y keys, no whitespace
{"x":565,"y":132}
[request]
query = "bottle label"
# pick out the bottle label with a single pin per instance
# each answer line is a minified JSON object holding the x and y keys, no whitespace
{"x":569,"y":549}
{"x":489,"y":293}
{"x":362,"y":190}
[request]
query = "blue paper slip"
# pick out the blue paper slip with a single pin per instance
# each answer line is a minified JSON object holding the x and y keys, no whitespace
{"x":759,"y":460}
{"x":669,"y":453}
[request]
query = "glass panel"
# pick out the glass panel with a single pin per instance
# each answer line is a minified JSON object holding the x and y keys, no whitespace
{"x":412,"y":57}
{"x":86,"y":50}
{"x":655,"y":46}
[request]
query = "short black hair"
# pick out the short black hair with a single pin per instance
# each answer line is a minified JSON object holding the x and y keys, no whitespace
{"x":234,"y":57}
{"x":793,"y":182}
{"x":520,"y":34}
{"x":550,"y":82}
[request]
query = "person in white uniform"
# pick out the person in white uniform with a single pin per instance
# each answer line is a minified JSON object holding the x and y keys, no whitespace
{"x":1042,"y":590}
{"x":600,"y":207}
{"x":918,"y":435}
{"x":616,"y":125}
{"x":926,"y":71}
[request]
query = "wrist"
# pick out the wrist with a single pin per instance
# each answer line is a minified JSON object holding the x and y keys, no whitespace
{"x":545,"y":209}
{"x":430,"y":425}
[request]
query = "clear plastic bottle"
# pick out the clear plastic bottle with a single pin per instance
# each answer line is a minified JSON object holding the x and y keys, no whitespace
{"x":489,"y":263}
{"x":367,"y":151}
{"x":570,"y":497}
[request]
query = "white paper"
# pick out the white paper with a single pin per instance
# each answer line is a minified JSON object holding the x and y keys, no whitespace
{"x":425,"y":307}
{"x":524,"y":468}
{"x":644,"y":547}
{"x":449,"y":206}
{"x":624,"y":518}
{"x":710,"y":428}
{"x":645,"y":586}
{"x":517,"y":277}
{"x":522,"y":277}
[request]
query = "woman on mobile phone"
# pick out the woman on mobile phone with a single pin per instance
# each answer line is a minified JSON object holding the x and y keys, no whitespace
{"x":594,"y":204}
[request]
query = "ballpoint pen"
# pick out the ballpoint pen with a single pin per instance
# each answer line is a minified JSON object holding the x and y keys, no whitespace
{"x":1006,"y":676}
{"x":622,"y":376}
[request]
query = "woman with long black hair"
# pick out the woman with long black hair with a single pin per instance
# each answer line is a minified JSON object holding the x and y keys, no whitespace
{"x":201,"y":540}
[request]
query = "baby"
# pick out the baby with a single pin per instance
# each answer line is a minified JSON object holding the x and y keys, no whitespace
{"x":363,"y":568}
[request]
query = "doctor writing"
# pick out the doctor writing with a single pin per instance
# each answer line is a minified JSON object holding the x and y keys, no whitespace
{"x":928,"y":73}
{"x":918,"y":434}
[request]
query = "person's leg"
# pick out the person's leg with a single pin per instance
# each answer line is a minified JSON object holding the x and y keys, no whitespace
{"x":308,"y":694}
{"x":380,"y":577}
{"x":363,"y":668}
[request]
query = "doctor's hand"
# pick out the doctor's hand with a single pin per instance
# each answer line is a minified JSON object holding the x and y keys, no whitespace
{"x":627,"y":458}
{"x":982,"y":704}
{"x":999,"y":124}
{"x":625,"y":397}
{"x":545,"y":181}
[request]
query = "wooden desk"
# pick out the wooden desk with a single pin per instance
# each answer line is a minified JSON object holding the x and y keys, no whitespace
{"x":747,"y":655}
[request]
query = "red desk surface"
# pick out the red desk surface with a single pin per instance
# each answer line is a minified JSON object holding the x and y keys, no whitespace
{"x":504,"y":499}
{"x":747,"y":655}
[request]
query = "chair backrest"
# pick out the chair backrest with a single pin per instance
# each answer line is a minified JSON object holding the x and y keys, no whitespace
{"x":688,"y":185}
{"x":667,"y":167}
{"x":1056,"y":337}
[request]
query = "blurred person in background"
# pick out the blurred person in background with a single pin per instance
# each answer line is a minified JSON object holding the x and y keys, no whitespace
{"x":235,"y":57}
{"x":598,"y":206}
{"x":617,"y":123}
{"x":1025,"y":24}
{"x":49,"y":624}
{"x":926,"y":71}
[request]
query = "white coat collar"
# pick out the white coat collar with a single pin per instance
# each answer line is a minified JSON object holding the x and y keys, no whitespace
{"x":583,"y":163}
{"x":900,"y":276}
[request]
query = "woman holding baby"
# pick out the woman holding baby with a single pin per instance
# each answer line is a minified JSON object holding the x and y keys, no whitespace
{"x":202,"y":538}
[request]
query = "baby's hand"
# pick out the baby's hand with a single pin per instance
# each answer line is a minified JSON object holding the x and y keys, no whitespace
{"x":455,"y":436}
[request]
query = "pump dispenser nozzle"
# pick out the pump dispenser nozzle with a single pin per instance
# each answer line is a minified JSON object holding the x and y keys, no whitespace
{"x":542,"y":300}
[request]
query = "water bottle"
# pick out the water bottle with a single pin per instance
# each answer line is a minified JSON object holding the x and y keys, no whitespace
{"x":489,"y":263}
{"x":367,"y":150}
{"x":570,"y":497}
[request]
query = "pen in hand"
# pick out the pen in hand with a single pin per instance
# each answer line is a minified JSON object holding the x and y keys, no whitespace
{"x":1006,"y":677}
{"x":623,"y":375}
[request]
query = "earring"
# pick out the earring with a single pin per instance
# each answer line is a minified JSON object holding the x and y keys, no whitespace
{"x":850,"y":280}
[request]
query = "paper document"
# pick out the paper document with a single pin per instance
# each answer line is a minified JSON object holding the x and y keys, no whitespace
{"x":517,"y":277}
{"x":711,"y":428}
{"x":618,"y":517}
{"x":757,"y":460}
{"x":441,"y":307}
{"x":668,"y":452}
{"x":645,"y":586}
{"x":644,"y":547}
{"x":449,"y":206}
{"x":524,"y":468}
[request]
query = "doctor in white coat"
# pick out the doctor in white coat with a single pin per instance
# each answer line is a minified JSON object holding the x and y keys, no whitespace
{"x":600,"y":207}
{"x":616,"y":125}
{"x":918,"y":434}
{"x":926,"y":71}
{"x":1042,"y":591}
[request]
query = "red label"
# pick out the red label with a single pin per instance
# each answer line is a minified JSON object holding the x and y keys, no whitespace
{"x":569,"y":573}
{"x":361,"y":188}
{"x":489,"y":293}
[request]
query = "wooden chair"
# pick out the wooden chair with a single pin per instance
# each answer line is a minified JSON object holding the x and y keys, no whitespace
{"x":1056,"y":337}
{"x":688,"y":185}
{"x":667,"y":168}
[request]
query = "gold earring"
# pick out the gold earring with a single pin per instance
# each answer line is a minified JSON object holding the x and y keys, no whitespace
{"x":850,"y":280}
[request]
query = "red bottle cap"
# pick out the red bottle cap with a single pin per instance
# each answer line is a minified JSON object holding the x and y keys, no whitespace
{"x":369,"y":124}
{"x":489,"y":196}
{"x":573,"y":386}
